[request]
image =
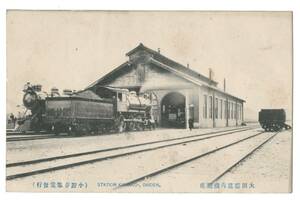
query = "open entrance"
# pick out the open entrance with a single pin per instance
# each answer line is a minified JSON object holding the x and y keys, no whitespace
{"x":173,"y":110}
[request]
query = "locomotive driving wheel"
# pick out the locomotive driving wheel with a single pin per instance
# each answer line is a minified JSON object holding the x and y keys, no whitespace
{"x":130,"y":126}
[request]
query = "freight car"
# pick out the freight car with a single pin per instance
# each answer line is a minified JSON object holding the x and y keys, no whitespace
{"x":272,"y":119}
{"x":98,"y":110}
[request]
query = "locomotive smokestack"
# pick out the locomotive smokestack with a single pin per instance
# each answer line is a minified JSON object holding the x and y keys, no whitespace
{"x":188,"y":65}
{"x":224,"y":85}
{"x":158,"y":50}
{"x":67,"y":92}
{"x":54,"y":92}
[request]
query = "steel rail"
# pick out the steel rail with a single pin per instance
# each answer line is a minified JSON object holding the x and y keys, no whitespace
{"x":113,"y":148}
{"x":243,"y":158}
{"x":60,"y":167}
{"x":16,"y":139}
{"x":163,"y":170}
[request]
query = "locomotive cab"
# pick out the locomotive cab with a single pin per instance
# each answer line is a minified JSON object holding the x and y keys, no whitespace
{"x":117,"y":95}
{"x":131,"y":111}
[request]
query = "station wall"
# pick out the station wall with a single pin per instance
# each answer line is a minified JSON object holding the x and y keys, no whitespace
{"x":218,"y":109}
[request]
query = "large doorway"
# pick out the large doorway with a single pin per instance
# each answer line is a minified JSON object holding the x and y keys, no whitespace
{"x":173,"y":110}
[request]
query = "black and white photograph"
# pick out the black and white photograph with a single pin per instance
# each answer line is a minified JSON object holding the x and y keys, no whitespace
{"x":149,"y":101}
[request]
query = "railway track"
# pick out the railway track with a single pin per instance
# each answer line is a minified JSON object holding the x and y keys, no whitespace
{"x":40,"y":137}
{"x":26,"y":133}
{"x":242,"y":159}
{"x":28,"y":168}
{"x":119,"y":148}
{"x":202,"y":155}
{"x":35,"y":136}
{"x":48,"y":136}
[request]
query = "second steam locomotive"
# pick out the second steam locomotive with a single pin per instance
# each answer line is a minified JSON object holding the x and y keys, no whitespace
{"x":91,"y":110}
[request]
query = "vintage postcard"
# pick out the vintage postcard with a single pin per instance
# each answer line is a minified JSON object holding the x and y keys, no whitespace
{"x":149,"y":101}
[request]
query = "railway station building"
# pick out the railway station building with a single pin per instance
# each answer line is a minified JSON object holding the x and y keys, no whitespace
{"x":181,"y":93}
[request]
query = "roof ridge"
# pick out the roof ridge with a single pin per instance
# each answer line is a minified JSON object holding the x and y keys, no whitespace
{"x":141,"y":45}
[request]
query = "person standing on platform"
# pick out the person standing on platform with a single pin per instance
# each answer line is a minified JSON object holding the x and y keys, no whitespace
{"x":191,"y":123}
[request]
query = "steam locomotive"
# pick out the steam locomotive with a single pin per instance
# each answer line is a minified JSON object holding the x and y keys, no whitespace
{"x":94,"y":110}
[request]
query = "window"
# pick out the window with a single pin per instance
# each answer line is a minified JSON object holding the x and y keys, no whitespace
{"x":239,"y":111}
{"x":235,"y":111}
{"x":120,"y":96}
{"x":228,"y":109}
{"x":216,"y":108}
{"x":232,"y":110}
{"x":233,"y":104}
{"x":225,"y":109}
{"x":205,"y":107}
{"x":210,"y":107}
{"x":221,"y":108}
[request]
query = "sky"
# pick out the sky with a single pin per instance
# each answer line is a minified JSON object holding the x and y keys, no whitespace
{"x":72,"y":49}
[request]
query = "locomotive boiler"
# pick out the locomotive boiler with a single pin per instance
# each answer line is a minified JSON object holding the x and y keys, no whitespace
{"x":34,"y":100}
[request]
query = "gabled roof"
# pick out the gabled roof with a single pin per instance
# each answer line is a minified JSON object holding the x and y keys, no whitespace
{"x":170,"y":65}
{"x":167,"y":61}
{"x":108,"y":74}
